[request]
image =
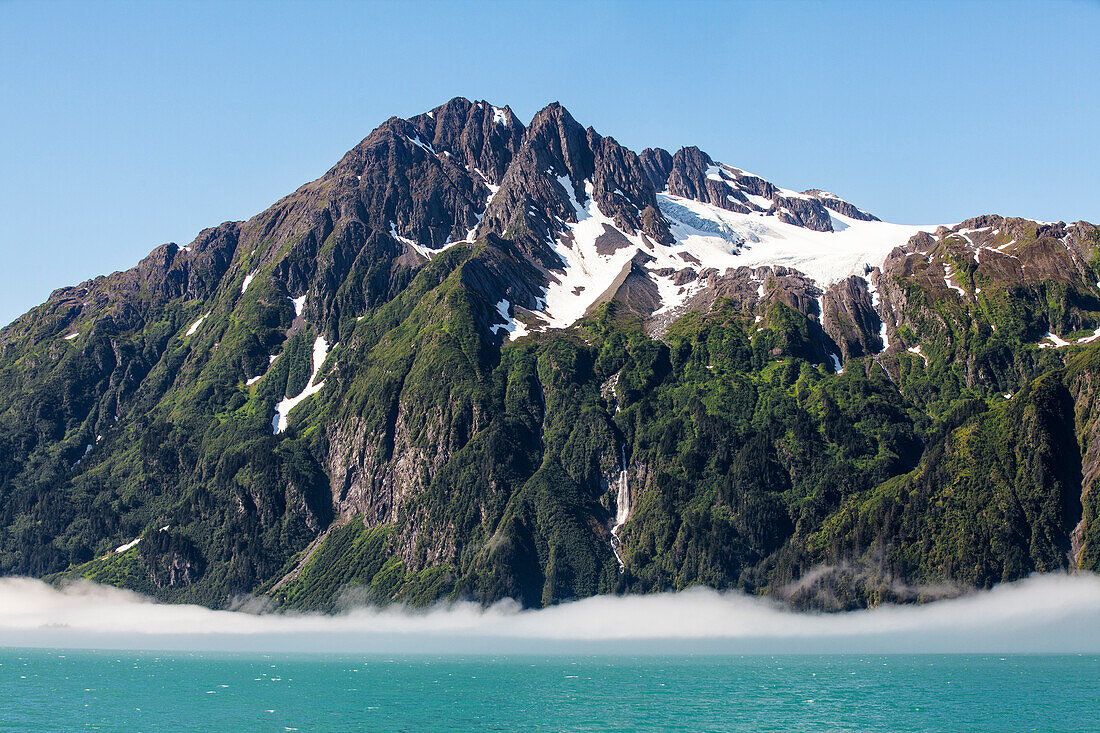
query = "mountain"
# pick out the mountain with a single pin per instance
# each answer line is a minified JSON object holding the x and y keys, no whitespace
{"x":478,"y":359}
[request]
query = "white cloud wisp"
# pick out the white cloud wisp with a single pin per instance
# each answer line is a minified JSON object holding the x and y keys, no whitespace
{"x":1045,"y":613}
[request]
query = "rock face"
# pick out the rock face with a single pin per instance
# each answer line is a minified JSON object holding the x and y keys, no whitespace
{"x":478,"y":136}
{"x":850,"y":318}
{"x":404,"y":185}
{"x":657,"y":164}
{"x":831,"y":201}
{"x":546,"y":184}
{"x":804,"y":212}
{"x":692,"y":174}
{"x":524,"y":361}
{"x":633,"y":288}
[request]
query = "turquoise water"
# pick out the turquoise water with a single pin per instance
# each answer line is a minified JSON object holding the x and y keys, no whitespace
{"x":51,"y":690}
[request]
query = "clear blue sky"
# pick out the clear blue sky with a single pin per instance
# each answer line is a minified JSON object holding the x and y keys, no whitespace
{"x":128,"y":125}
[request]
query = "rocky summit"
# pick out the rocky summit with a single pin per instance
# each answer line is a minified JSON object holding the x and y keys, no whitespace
{"x":482,"y":360}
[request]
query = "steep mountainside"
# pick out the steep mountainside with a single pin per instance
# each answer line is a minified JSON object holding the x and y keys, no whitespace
{"x":482,"y":360}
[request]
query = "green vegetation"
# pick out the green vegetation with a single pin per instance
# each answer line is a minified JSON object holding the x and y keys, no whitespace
{"x":467,"y":470}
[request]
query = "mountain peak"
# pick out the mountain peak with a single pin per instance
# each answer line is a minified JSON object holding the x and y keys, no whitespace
{"x":323,"y":399}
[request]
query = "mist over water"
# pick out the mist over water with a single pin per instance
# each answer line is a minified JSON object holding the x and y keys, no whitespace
{"x":1045,"y":613}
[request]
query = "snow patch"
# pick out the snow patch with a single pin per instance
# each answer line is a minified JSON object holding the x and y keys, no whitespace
{"x":510,"y":324}
{"x":1056,"y":342}
{"x":195,"y":326}
{"x":875,"y":302}
{"x":516,"y":328}
{"x":128,"y":545}
{"x":420,"y":143}
{"x":282,"y":410}
{"x":399,"y":238}
{"x":586,"y":274}
{"x":519,"y":331}
{"x":87,"y":450}
{"x":72,"y":335}
{"x":789,"y":194}
{"x":916,"y":350}
{"x":760,"y":202}
{"x":472,"y":234}
{"x":1089,"y":339}
{"x":299,"y":304}
{"x":715,"y":173}
{"x":247,"y":281}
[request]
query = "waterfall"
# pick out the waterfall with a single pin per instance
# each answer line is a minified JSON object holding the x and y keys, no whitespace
{"x":1076,"y":540}
{"x":622,"y":509}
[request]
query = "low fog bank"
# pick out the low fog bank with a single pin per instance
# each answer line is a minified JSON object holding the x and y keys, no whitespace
{"x":1045,"y":613}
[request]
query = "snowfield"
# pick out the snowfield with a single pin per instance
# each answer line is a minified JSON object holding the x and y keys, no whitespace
{"x":706,"y":236}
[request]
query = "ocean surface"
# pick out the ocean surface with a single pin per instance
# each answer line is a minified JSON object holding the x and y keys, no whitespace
{"x":71,"y":690}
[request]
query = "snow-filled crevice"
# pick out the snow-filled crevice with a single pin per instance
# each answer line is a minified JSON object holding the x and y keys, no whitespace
{"x":279,"y":422}
{"x":425,"y":252}
{"x":471,"y":235}
{"x":426,"y":147}
{"x":948,"y":274}
{"x":876,"y":303}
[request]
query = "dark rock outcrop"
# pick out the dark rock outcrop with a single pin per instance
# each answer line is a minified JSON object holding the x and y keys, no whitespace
{"x":804,"y":212}
{"x":657,"y":164}
{"x":850,"y":318}
{"x":839,"y":205}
